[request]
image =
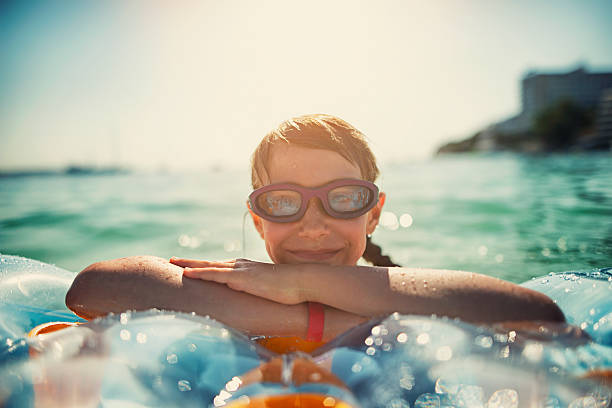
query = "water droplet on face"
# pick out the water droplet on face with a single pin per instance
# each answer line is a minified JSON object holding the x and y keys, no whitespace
{"x":192,"y":347}
{"x":402,"y":337}
{"x":546,"y":252}
{"x":370,"y":351}
{"x":544,"y":281}
{"x":141,"y":338}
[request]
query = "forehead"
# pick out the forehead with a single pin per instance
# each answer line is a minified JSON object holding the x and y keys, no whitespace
{"x":308,"y":167}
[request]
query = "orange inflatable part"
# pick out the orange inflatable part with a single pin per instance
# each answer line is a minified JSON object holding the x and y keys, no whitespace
{"x":50,"y":327}
{"x":284,"y":345}
{"x":290,"y":401}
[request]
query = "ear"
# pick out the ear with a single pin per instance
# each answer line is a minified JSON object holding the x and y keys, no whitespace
{"x":256,"y":221}
{"x":374,"y":213}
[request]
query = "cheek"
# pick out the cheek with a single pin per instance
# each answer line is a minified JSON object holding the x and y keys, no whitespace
{"x":354,"y":232}
{"x":274,"y":235}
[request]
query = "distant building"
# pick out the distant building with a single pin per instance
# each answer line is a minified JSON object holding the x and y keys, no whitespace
{"x":541,"y":90}
{"x":603,"y":124}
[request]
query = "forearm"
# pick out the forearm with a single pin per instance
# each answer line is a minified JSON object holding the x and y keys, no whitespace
{"x":145,"y":282}
{"x":373,"y":291}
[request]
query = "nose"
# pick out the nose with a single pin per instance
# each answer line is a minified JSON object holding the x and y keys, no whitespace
{"x":314,"y":222}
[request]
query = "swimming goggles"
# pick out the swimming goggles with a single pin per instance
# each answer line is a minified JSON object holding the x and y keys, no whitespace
{"x":345,"y":198}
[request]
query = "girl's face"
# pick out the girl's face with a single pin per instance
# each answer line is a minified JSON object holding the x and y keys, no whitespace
{"x":317,"y":237}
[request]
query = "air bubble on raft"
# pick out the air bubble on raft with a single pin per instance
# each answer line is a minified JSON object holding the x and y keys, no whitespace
{"x":423,"y":339}
{"x":427,"y":401}
{"x":470,"y":396}
{"x":407,"y":379}
{"x":533,"y":352}
{"x":506,"y":398}
{"x":584,"y":402}
{"x":504,"y":352}
{"x":184,"y":385}
{"x":444,"y":353}
{"x":484,"y":341}
{"x":552,"y":402}
{"x":172,"y":358}
{"x":397,"y":403}
{"x":443,"y":386}
{"x":233,"y":384}
{"x":125,"y":335}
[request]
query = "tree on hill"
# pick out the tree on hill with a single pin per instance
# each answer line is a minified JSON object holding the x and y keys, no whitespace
{"x":559,"y":125}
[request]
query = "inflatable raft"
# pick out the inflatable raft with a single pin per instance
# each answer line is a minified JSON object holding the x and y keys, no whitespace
{"x":160,"y":358}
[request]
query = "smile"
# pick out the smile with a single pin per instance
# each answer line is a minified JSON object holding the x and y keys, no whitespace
{"x":315,"y":255}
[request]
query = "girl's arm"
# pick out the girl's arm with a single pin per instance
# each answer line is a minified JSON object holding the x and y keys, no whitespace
{"x":145,"y":282}
{"x":371,"y":291}
{"x":374,"y":291}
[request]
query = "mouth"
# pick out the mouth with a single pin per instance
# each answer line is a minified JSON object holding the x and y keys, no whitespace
{"x":315,"y":255}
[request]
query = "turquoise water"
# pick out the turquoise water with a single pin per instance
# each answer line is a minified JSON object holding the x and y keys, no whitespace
{"x":508,"y":216}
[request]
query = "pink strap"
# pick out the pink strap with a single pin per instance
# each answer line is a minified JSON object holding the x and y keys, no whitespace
{"x":316,"y":322}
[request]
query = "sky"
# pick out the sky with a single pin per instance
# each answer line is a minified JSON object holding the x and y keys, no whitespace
{"x":194,"y":84}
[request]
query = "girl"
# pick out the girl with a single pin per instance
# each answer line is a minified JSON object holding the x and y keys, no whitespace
{"x":314,"y":204}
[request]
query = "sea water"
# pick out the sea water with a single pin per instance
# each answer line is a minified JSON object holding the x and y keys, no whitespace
{"x":509,"y":216}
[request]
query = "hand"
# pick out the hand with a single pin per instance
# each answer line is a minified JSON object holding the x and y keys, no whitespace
{"x":257,"y":278}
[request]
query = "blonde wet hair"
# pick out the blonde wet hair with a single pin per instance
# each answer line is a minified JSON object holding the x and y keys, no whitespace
{"x":317,"y":131}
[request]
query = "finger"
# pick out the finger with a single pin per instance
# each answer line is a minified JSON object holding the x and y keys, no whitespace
{"x":220,"y":275}
{"x":198,"y":263}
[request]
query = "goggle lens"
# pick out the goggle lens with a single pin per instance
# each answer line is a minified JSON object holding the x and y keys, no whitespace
{"x":280,"y":203}
{"x":348,"y":199}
